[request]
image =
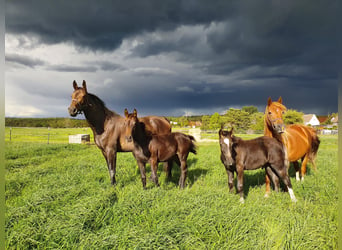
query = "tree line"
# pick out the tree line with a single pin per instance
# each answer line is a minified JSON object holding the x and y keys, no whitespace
{"x":247,"y":118}
{"x":46,"y":122}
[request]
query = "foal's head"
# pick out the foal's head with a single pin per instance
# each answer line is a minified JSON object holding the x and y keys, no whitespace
{"x":226,"y":144}
{"x":78,"y":100}
{"x":274,"y":115}
{"x":131,"y":123}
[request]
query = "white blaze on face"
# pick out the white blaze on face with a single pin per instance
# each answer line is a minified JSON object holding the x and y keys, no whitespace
{"x":227,"y":142}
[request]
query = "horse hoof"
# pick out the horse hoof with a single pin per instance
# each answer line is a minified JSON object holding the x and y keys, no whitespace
{"x":242,"y":200}
{"x":267,"y":195}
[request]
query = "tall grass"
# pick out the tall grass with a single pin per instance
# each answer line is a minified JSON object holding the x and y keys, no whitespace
{"x":59,"y":196}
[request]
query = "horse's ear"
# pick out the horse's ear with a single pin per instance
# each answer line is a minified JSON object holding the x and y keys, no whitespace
{"x":126,"y":113}
{"x":135,"y":113}
{"x":231,"y":130}
{"x":280,"y":100}
{"x":269,"y":101}
{"x":74,"y":84}
{"x":84,"y":85}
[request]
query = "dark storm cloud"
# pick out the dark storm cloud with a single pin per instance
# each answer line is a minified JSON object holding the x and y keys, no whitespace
{"x":241,"y":52}
{"x":23,"y":60}
{"x":103,"y":26}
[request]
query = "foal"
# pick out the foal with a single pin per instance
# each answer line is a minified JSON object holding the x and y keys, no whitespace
{"x":158,"y":148}
{"x":238,"y":155}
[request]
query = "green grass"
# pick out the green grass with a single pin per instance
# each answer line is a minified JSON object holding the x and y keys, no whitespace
{"x":58,"y":196}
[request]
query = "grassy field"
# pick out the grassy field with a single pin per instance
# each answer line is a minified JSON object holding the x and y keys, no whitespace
{"x":59,"y":196}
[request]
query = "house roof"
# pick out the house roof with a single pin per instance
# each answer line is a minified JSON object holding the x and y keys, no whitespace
{"x":334,"y":119}
{"x":307,"y":118}
{"x":322,"y":118}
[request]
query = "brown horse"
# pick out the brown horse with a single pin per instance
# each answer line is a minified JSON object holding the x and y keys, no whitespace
{"x":301,"y":142}
{"x":238,"y":155}
{"x":158,"y":148}
{"x":108,"y":126}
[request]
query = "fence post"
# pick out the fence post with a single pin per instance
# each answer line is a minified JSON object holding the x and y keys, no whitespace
{"x":48,"y":135}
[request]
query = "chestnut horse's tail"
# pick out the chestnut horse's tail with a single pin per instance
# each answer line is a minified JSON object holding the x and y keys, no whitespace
{"x":192,"y":145}
{"x":314,"y":147}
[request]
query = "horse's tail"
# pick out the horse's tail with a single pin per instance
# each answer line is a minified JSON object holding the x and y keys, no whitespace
{"x":192,"y":145}
{"x":314,"y":147}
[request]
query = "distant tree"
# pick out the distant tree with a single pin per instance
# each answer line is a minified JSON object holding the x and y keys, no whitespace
{"x":292,"y":116}
{"x":257,"y":121}
{"x":250,"y":109}
{"x":205,"y":122}
{"x":183,"y":121}
{"x":237,"y":118}
{"x":215,"y":121}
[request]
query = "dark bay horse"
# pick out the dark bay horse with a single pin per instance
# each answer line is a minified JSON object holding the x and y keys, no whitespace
{"x":301,"y":142}
{"x":158,"y":148}
{"x":108,"y":126}
{"x":238,"y":155}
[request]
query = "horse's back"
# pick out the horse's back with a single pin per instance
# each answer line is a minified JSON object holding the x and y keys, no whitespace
{"x":156,"y":125}
{"x":297,"y":140}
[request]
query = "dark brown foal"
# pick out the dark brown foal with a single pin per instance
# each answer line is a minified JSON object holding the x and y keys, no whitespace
{"x":238,"y":155}
{"x":158,"y":148}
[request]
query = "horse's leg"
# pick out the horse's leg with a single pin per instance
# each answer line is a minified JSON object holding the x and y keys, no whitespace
{"x":273,"y":177}
{"x":110,"y":156}
{"x":168,"y":168}
{"x":303,"y":168}
{"x":283,"y":174}
{"x":230,"y":174}
{"x":296,"y":167}
{"x":184,"y":170}
{"x":267,"y":184}
{"x":142,"y":173}
{"x":154,"y":167}
{"x":239,"y":170}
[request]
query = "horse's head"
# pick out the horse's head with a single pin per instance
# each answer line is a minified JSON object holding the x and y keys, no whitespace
{"x":226,"y":144}
{"x":78,"y":99}
{"x":274,"y":115}
{"x":131,"y":121}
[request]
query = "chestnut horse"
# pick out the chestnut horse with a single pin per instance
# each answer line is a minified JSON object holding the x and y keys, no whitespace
{"x":108,"y":126}
{"x":300,"y":141}
{"x":158,"y":148}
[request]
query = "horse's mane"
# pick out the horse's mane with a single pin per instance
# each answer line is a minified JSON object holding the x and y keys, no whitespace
{"x":101,"y":104}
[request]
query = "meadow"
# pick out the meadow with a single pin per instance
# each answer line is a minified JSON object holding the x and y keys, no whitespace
{"x":58,"y":196}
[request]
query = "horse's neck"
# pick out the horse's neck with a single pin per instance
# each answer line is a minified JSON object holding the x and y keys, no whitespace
{"x":268,"y":131}
{"x":141,"y":139}
{"x":96,"y":117}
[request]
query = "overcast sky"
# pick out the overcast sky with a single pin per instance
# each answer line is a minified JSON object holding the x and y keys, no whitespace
{"x":172,"y":57}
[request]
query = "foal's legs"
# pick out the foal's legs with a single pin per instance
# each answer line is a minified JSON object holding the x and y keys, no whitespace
{"x":142,"y":173}
{"x":168,"y":169}
{"x":154,"y":167}
{"x":230,"y":174}
{"x":184,"y":170}
{"x":273,"y":177}
{"x":239,"y":170}
{"x":283,"y":174}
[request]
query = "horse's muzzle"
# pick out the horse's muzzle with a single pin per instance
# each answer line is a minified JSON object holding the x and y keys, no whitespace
{"x":72,"y":111}
{"x":279,"y":128}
